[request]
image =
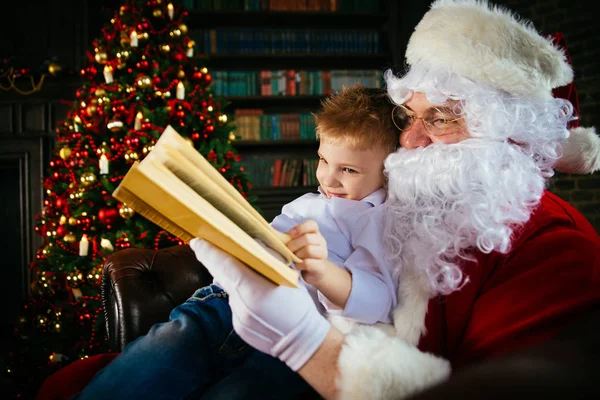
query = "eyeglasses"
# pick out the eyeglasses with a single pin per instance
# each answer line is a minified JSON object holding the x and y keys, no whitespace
{"x":435,"y":120}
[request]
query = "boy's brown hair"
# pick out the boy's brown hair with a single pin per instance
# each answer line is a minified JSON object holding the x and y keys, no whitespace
{"x":359,"y":116}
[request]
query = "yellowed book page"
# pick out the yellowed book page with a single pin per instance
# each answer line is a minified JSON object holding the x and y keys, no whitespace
{"x":195,"y":178}
{"x":125,"y":196}
{"x":157,"y":187}
{"x":172,"y":138}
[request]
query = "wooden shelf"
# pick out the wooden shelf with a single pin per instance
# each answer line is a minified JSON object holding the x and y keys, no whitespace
{"x":258,"y":144}
{"x":271,"y":199}
{"x":271,"y":102}
{"x":249,"y":61}
{"x":283,"y":19}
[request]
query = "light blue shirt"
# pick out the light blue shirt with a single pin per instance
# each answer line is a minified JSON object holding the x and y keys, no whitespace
{"x":353,"y":230}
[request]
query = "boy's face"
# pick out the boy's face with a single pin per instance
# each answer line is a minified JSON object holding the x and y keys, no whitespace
{"x":349,"y":173}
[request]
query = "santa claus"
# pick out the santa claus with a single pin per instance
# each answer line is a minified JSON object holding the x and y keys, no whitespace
{"x":488,"y":261}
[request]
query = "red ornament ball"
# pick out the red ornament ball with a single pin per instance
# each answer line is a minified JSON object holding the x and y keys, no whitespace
{"x":61,"y":231}
{"x":61,"y":204}
{"x":108,"y":216}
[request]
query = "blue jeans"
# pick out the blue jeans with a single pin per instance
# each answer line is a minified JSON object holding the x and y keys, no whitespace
{"x":196,"y":355}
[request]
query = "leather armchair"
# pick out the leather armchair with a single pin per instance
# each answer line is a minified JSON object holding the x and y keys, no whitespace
{"x":140,"y":287}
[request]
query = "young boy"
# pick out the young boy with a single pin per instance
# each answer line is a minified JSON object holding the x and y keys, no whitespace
{"x":336,"y":233}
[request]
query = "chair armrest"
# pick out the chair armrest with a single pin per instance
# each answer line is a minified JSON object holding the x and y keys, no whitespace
{"x":140,"y":287}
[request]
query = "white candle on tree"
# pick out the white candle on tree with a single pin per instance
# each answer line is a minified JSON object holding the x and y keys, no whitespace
{"x":108,"y":76}
{"x":170,"y":10}
{"x":180,"y":91}
{"x":103,"y":164}
{"x":133,"y":39}
{"x":138,"y":121}
{"x":84,"y":246}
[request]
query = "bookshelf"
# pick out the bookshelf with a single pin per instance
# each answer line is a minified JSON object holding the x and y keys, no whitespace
{"x":274,"y":61}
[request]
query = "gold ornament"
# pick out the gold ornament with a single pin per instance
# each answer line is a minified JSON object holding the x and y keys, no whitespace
{"x":175,"y":33}
{"x":123,"y":55}
{"x":78,"y":195}
{"x":87,"y":179}
{"x":181,"y":74}
{"x":124,"y":40}
{"x":190,"y":141}
{"x":115,"y":125}
{"x":131,"y":156}
{"x":126,"y":212}
{"x":91,"y":110}
{"x":100,"y":56}
{"x":165,"y":48}
{"x":122,"y":10}
{"x":231,"y":136}
{"x":100,"y":92}
{"x":183,"y":28}
{"x":54,"y":68}
{"x":69,"y":238}
{"x":157,"y":13}
{"x":64,"y":153}
{"x":72,"y":221}
{"x":121,"y":63}
{"x":143,"y":82}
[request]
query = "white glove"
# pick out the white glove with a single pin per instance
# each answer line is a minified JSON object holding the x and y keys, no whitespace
{"x":277,"y":320}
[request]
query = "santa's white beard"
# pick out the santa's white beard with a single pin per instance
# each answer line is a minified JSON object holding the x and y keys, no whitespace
{"x":447,"y":199}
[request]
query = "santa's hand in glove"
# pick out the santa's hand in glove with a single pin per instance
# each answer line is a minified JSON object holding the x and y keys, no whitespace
{"x":277,"y":320}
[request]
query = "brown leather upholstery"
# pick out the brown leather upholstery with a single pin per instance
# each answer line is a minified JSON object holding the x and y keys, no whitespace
{"x":140,"y":287}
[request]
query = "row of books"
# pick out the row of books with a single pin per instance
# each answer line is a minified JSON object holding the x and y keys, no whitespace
{"x":253,"y":124}
{"x":286,"y":41}
{"x":286,"y":5}
{"x":291,"y":82}
{"x":264,"y":172}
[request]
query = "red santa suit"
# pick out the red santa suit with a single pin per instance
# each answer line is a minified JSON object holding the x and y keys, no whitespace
{"x":512,"y":300}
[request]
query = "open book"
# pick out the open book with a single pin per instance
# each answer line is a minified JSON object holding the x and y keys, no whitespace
{"x":179,"y":190}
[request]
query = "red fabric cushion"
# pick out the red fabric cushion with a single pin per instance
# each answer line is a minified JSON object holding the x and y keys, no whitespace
{"x":71,"y":379}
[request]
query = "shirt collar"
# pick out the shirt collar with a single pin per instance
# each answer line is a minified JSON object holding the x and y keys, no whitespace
{"x":376,"y":198}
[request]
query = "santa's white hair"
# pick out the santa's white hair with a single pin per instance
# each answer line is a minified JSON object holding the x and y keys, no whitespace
{"x":448,"y":199}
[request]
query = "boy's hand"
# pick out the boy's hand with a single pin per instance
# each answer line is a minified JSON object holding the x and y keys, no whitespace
{"x":311,"y":247}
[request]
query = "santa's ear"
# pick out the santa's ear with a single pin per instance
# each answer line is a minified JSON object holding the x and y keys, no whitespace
{"x":580,"y":152}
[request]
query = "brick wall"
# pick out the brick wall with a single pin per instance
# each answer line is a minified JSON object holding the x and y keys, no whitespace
{"x":578,"y":22}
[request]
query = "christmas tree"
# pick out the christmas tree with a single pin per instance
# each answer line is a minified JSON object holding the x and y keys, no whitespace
{"x":141,"y":75}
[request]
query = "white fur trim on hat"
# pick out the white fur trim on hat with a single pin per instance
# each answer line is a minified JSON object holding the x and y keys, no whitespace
{"x":374,"y":365}
{"x":581,"y":152}
{"x":489,"y":45}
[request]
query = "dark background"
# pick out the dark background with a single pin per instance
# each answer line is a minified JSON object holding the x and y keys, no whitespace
{"x":36,"y":31}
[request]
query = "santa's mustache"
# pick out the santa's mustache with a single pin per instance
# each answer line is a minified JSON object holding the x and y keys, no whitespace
{"x":446,"y":199}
